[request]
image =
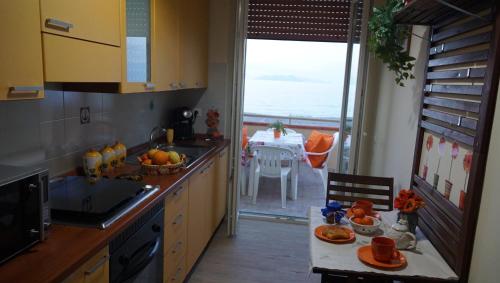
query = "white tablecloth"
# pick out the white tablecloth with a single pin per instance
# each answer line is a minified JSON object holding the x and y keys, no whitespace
{"x":424,"y":262}
{"x":292,"y":141}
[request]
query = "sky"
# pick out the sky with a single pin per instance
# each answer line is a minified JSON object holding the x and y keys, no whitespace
{"x":296,"y":78}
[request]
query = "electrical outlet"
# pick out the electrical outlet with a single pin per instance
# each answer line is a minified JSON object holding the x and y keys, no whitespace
{"x":84,"y":115}
{"x":199,"y":111}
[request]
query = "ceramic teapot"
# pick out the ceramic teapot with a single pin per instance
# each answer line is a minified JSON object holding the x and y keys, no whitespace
{"x":404,"y":239}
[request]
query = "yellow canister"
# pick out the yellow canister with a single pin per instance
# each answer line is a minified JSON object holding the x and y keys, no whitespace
{"x":108,"y":159}
{"x":120,"y":153}
{"x":92,"y":161}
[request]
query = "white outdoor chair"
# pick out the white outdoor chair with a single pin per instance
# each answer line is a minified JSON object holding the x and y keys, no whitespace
{"x":331,"y":153}
{"x":288,"y":130}
{"x":269,"y":163}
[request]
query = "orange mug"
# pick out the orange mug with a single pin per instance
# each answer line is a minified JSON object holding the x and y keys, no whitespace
{"x":366,"y":205}
{"x":384,"y":249}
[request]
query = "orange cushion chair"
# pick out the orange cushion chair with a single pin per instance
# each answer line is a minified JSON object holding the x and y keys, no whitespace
{"x":317,"y":143}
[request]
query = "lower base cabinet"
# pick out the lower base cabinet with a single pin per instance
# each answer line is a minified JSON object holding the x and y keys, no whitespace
{"x":95,"y":270}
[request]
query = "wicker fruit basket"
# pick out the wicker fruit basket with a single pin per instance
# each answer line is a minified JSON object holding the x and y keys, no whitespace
{"x":156,"y":170}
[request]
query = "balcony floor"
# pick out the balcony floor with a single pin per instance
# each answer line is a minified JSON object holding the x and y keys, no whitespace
{"x":309,"y":193}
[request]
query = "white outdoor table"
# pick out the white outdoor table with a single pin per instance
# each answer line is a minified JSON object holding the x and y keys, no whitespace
{"x":423,"y":265}
{"x":292,"y":141}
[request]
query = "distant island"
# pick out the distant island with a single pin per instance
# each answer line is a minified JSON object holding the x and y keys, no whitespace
{"x":287,"y":78}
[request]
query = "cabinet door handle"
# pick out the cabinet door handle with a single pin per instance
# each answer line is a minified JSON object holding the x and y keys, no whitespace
{"x":149,"y":85}
{"x":25,"y":89}
{"x":57,"y":24}
{"x":182,"y":85}
{"x":173,"y":86}
{"x":100,"y":263}
{"x":179,"y":269}
{"x":177,"y":193}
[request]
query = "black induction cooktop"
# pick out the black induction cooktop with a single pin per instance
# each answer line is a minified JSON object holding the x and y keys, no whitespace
{"x":73,"y":200}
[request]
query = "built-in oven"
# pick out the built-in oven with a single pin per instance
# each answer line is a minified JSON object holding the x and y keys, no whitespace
{"x":136,"y":254}
{"x":24,"y":209}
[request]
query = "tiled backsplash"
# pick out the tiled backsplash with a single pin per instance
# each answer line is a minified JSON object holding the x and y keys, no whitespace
{"x":49,"y":130}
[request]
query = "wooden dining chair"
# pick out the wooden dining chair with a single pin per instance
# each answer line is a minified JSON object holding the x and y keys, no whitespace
{"x":347,"y":189}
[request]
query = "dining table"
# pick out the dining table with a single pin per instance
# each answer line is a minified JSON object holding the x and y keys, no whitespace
{"x":424,"y":263}
{"x":292,"y":141}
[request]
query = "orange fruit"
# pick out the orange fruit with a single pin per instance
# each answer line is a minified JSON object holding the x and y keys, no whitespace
{"x":160,"y":158}
{"x":152,"y":152}
{"x":147,"y":162}
{"x":358,"y":212}
{"x":144,"y":157}
{"x":367,"y":221}
{"x":358,"y":220}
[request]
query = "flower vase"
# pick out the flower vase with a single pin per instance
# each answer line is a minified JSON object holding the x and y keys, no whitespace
{"x":411,"y":219}
{"x":447,"y":189}
{"x":435,"y":181}
{"x":277,"y":134}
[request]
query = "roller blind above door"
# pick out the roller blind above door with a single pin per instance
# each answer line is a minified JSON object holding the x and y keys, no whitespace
{"x":302,"y":20}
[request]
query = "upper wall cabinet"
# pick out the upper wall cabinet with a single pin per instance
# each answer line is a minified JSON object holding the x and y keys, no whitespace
{"x":137,"y":41}
{"x":21,"y":66}
{"x":167,"y":45}
{"x":81,"y":40}
{"x":92,"y":20}
{"x":193,"y":44}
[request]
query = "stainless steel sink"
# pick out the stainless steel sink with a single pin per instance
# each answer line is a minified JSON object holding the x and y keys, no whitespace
{"x":192,"y":152}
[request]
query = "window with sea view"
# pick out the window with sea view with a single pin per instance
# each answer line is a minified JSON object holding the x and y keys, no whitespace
{"x":296,"y":78}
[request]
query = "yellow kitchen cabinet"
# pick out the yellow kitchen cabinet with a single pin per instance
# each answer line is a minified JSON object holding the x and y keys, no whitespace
{"x":175,"y":237}
{"x":166,"y":66}
{"x":91,"y":20}
{"x":193,"y":51}
{"x":71,"y":60}
{"x":21,"y":65}
{"x":95,"y":270}
{"x":220,"y":189}
{"x":137,"y":41}
{"x":199,"y":212}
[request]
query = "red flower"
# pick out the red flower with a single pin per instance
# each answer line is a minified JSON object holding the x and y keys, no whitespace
{"x":467,"y":161}
{"x":430,"y":141}
{"x":407,"y":201}
{"x":454,"y":150}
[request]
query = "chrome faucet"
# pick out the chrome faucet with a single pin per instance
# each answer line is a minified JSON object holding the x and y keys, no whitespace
{"x":152,"y":143}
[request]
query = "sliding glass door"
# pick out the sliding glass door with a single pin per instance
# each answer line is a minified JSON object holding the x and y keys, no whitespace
{"x":354,"y":87}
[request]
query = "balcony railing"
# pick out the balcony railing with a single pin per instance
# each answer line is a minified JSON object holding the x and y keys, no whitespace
{"x":292,"y":121}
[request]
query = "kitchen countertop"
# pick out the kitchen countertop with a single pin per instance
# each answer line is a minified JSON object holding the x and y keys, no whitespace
{"x":68,"y":247}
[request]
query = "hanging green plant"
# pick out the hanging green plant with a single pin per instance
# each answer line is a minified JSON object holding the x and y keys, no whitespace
{"x":386,"y":40}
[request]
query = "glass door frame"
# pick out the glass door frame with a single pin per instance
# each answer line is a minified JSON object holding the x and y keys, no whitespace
{"x":360,"y":90}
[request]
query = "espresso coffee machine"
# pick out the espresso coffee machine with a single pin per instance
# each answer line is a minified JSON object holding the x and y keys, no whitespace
{"x":183,"y":121}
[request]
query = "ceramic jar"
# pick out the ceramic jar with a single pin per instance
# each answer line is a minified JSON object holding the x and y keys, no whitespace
{"x":120,"y":153}
{"x":108,"y":159}
{"x":92,"y":161}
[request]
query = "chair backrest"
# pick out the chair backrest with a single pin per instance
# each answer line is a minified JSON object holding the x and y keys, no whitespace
{"x":334,"y":151}
{"x":271,"y":159}
{"x":346,"y":189}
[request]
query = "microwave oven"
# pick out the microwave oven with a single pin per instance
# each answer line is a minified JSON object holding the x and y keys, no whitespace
{"x":24,"y":209}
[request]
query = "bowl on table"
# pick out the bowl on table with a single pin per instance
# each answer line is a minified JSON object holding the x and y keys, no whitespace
{"x":365,"y":228}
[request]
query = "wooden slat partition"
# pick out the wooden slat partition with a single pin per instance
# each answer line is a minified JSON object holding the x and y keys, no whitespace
{"x":459,"y":59}
{"x":469,"y":73}
{"x":453,"y":104}
{"x":461,"y":43}
{"x":456,"y":89}
{"x":464,"y":51}
{"x":448,"y":133}
{"x":452,"y":119}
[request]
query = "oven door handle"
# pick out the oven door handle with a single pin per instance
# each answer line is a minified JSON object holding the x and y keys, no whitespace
{"x":131,"y":268}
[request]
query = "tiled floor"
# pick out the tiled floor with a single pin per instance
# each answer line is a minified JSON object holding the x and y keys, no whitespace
{"x":261,"y":252}
{"x":310,"y":193}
